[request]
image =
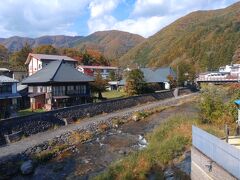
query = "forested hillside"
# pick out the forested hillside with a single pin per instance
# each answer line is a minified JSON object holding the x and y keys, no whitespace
{"x":204,"y":39}
{"x":112,"y":44}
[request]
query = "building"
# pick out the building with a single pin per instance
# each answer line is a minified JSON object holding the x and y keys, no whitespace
{"x":94,"y":70}
{"x":58,"y":84}
{"x":6,"y":72}
{"x":15,"y":74}
{"x":19,"y":75}
{"x":225,"y":74}
{"x":36,"y":62}
{"x":8,"y":96}
{"x":156,"y":76}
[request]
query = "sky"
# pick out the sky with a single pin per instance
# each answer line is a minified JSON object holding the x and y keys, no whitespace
{"x":34,"y":18}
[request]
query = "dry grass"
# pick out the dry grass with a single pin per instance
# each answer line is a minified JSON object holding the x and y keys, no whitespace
{"x":79,"y":137}
{"x":103,"y":127}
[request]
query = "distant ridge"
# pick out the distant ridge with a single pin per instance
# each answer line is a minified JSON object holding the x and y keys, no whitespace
{"x":112,"y":44}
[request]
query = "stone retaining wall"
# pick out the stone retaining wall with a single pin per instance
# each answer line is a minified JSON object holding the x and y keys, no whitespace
{"x":33,"y":124}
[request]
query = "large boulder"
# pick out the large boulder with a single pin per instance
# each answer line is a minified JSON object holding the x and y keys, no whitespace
{"x":27,"y":167}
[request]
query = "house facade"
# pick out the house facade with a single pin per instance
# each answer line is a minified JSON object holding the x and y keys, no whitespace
{"x":36,"y":62}
{"x":58,"y":85}
{"x":8,"y":96}
{"x":94,"y":70}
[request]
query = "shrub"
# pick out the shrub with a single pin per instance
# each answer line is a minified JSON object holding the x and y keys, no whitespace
{"x":211,"y":103}
{"x":217,"y":104}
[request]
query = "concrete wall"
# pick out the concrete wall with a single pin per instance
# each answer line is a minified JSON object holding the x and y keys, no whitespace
{"x":222,"y":156}
{"x":200,"y":168}
{"x":42,"y":121}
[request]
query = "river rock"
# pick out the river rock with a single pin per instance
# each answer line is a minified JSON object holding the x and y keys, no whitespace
{"x":135,"y":117}
{"x":27,"y":167}
{"x":169,"y":174}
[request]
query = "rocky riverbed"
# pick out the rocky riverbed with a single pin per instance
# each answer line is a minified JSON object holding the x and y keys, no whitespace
{"x":104,"y":146}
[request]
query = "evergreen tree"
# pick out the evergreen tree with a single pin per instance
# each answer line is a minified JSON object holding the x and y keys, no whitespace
{"x":18,"y":58}
{"x":135,"y":83}
{"x":45,"y":49}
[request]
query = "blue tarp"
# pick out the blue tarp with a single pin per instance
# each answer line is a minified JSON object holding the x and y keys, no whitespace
{"x":237,"y":102}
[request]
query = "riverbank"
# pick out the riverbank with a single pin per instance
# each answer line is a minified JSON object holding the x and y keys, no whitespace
{"x":84,"y":126}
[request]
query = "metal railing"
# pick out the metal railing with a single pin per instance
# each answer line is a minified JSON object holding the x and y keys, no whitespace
{"x":220,"y":79}
{"x":224,"y":154}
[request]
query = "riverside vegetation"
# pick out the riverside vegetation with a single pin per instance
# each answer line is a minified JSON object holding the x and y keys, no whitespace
{"x":166,"y":144}
{"x":169,"y":141}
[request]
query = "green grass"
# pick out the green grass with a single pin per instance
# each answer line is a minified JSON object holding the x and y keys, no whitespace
{"x":29,"y":111}
{"x":113,"y":94}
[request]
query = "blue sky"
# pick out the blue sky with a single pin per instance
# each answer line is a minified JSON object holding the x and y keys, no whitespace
{"x":34,"y":18}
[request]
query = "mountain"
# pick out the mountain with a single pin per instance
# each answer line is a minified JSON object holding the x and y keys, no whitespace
{"x":16,"y":43}
{"x":112,"y":44}
{"x":206,"y":39}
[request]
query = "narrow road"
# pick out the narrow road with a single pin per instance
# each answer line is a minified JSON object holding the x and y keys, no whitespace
{"x":21,"y":146}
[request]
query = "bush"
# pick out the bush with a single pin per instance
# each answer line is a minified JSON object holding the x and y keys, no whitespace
{"x":211,"y":103}
{"x":217,"y":104}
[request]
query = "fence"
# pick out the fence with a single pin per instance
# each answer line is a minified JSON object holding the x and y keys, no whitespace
{"x":225,"y":155}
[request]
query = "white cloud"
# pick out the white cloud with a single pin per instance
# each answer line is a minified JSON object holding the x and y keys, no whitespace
{"x":150,"y":7}
{"x":99,"y":7}
{"x":149,"y":16}
{"x":39,"y":17}
{"x":50,"y":17}
{"x":144,"y":26}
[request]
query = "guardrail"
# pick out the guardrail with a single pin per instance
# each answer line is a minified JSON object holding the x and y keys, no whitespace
{"x":225,"y":155}
{"x":203,"y":79}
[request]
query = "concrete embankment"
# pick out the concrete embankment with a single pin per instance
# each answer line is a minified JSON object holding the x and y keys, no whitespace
{"x":88,"y":123}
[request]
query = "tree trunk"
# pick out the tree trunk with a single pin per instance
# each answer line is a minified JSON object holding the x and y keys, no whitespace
{"x":100,"y":95}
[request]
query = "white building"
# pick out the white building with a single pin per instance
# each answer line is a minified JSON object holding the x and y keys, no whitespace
{"x":94,"y":70}
{"x":36,"y":62}
{"x":233,"y":70}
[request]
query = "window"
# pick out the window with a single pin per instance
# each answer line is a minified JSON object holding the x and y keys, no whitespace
{"x":6,"y":89}
{"x":30,"y":89}
{"x":83,"y":89}
{"x":39,"y":89}
{"x":49,"y":89}
{"x":70,"y":88}
{"x":58,"y":90}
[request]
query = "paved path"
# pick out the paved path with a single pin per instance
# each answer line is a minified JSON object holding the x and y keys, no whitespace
{"x":21,"y":146}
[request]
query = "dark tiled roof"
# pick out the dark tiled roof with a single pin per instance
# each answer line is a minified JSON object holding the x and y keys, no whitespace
{"x":155,"y":75}
{"x":57,"y":71}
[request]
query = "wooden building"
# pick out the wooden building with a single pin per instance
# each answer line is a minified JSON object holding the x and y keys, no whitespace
{"x":57,"y":85}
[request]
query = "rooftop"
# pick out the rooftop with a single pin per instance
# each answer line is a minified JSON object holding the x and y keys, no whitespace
{"x":5,"y":79}
{"x":57,"y":71}
{"x":158,"y":74}
{"x":97,"y":67}
{"x":4,"y":69}
{"x":48,"y":57}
